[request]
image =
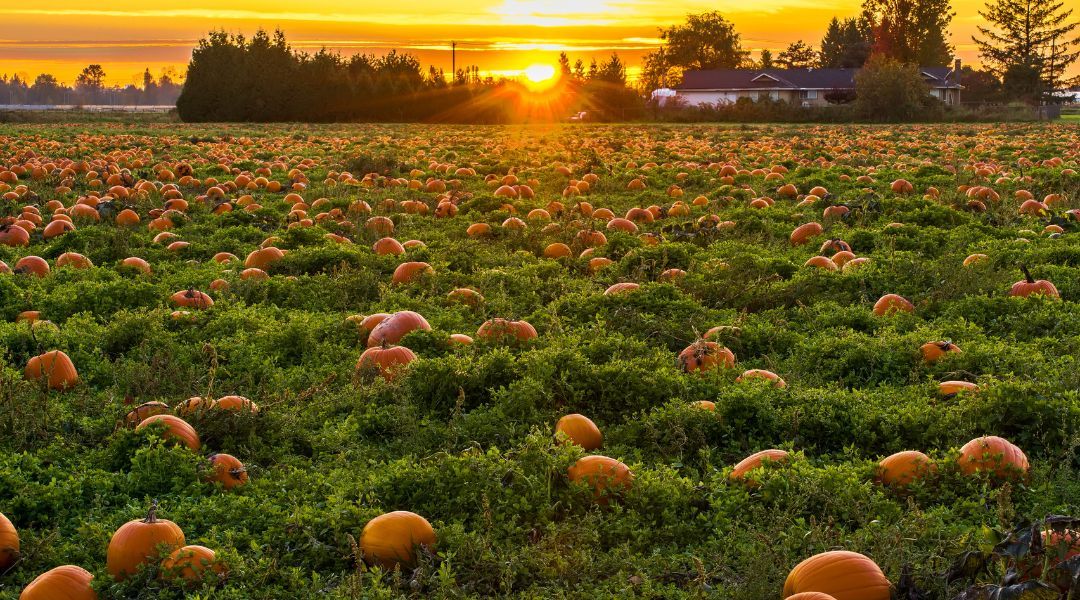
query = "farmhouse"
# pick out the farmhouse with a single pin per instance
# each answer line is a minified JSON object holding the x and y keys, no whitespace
{"x":808,"y":87}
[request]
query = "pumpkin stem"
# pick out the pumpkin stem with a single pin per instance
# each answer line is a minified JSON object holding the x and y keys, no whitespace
{"x":1027,"y":274}
{"x":151,"y":514}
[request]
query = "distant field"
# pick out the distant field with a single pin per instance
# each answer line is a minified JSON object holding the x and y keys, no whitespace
{"x":641,"y":256}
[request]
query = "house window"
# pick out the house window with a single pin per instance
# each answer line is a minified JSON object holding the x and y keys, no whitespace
{"x":775,"y":95}
{"x":808,"y":94}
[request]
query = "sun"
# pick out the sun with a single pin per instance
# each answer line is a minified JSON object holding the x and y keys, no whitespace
{"x":539,"y":76}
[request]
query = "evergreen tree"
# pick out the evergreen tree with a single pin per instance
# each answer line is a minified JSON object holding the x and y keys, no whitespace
{"x":798,"y":55}
{"x":911,"y":31}
{"x":1030,"y":47}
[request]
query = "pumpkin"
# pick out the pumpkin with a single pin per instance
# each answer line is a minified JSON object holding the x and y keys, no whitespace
{"x":391,"y":329}
{"x":56,"y":366}
{"x":762,"y":374}
{"x":391,"y":539}
{"x":821,"y":262}
{"x":621,"y":288}
{"x":755,"y":461}
{"x":388,"y":245}
{"x":1029,"y":286}
{"x":901,"y":469}
{"x":892,"y":303}
{"x":225,"y":257}
{"x":146,"y":409}
{"x":73,"y":260}
{"x":189,"y":563}
{"x":9,"y":544}
{"x":32,"y":265}
{"x":134,"y":262}
{"x":386,"y":360}
{"x":811,"y":596}
{"x":557,"y":250}
{"x":460,"y":339}
{"x":236,"y":404}
{"x":176,"y":429}
{"x":841,"y":574}
{"x":1058,"y":546}
{"x":228,"y":471}
{"x":408,"y":272}
{"x":137,"y":542}
{"x":505,"y":330}
{"x":702,"y":356}
{"x":606,"y":476}
{"x":994,"y":454}
{"x":67,"y":582}
{"x":952,"y":388}
{"x":671,"y":275}
{"x":191,"y":298}
{"x":803,"y":233}
{"x":935,"y":351}
{"x":580,"y":430}
{"x":467,"y":296}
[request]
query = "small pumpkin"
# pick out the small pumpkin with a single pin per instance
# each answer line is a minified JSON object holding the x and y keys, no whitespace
{"x":606,"y":476}
{"x":505,"y":330}
{"x":391,"y":539}
{"x":146,"y":409}
{"x":949,"y":389}
{"x":935,"y":351}
{"x":228,"y":471}
{"x":385,"y":360}
{"x":892,"y":303}
{"x":702,"y":356}
{"x":580,"y":430}
{"x":191,"y":298}
{"x":755,"y":461}
{"x":139,"y":541}
{"x":762,"y":374}
{"x":901,"y":469}
{"x":67,"y":582}
{"x":190,"y":562}
{"x":409,"y":272}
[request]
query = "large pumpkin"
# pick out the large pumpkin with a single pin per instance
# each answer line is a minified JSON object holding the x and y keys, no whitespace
{"x":386,"y":360}
{"x":704,"y":356}
{"x":176,"y":429}
{"x":9,"y":543}
{"x":408,"y":272}
{"x":994,"y":454}
{"x":811,"y":596}
{"x":191,"y":298}
{"x":391,"y":329}
{"x":841,"y":574}
{"x":580,"y":430}
{"x":892,"y":303}
{"x":1029,"y":286}
{"x":67,"y":582}
{"x":901,"y":469}
{"x":137,"y":542}
{"x":606,"y":476}
{"x":56,"y":366}
{"x":391,"y":539}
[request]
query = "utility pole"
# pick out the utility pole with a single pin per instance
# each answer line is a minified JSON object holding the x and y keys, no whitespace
{"x":453,"y":61}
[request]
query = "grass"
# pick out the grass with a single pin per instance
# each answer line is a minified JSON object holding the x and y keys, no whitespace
{"x":463,"y":436}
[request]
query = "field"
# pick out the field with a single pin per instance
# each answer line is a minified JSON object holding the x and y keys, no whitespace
{"x":463,"y":435}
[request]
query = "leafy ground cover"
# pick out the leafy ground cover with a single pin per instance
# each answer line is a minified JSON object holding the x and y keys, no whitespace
{"x":700,"y":218}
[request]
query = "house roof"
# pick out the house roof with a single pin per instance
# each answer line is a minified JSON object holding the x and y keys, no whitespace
{"x":794,"y":79}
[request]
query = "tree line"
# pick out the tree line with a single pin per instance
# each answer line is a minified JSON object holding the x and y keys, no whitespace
{"x":1026,"y":47}
{"x":235,"y":78}
{"x":90,"y":89}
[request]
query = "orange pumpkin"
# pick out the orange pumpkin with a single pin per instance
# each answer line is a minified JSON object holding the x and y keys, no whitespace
{"x":137,"y":542}
{"x":56,"y":366}
{"x":189,"y":563}
{"x":702,"y":356}
{"x":935,"y":351}
{"x":236,"y":404}
{"x":191,"y":298}
{"x":176,"y":429}
{"x":386,"y":360}
{"x":841,"y":574}
{"x":580,"y":430}
{"x":1029,"y":286}
{"x":263,"y":258}
{"x":606,"y":476}
{"x":892,"y":303}
{"x":391,"y":539}
{"x":503,"y":330}
{"x":762,"y":374}
{"x":621,"y":288}
{"x":994,"y":454}
{"x":32,"y":265}
{"x":754,"y":461}
{"x":9,"y":543}
{"x":67,"y":582}
{"x":951,"y":388}
{"x":136,"y":263}
{"x":391,"y":329}
{"x":901,"y":469}
{"x":411,"y":271}
{"x":146,"y":409}
{"x":388,"y":245}
{"x":810,"y":596}
{"x":73,"y":260}
{"x":803,"y":233}
{"x":228,"y":471}
{"x":466,"y":296}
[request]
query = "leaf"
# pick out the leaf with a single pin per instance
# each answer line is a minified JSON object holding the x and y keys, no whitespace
{"x":967,"y":566}
{"x":1029,"y":590}
{"x":1066,"y":574}
{"x":906,"y":588}
{"x":1020,"y":541}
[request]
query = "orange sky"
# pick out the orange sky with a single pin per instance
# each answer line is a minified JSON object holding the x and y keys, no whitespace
{"x":502,"y":36}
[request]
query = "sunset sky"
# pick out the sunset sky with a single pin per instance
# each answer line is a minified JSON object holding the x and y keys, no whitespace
{"x":500,"y":36}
